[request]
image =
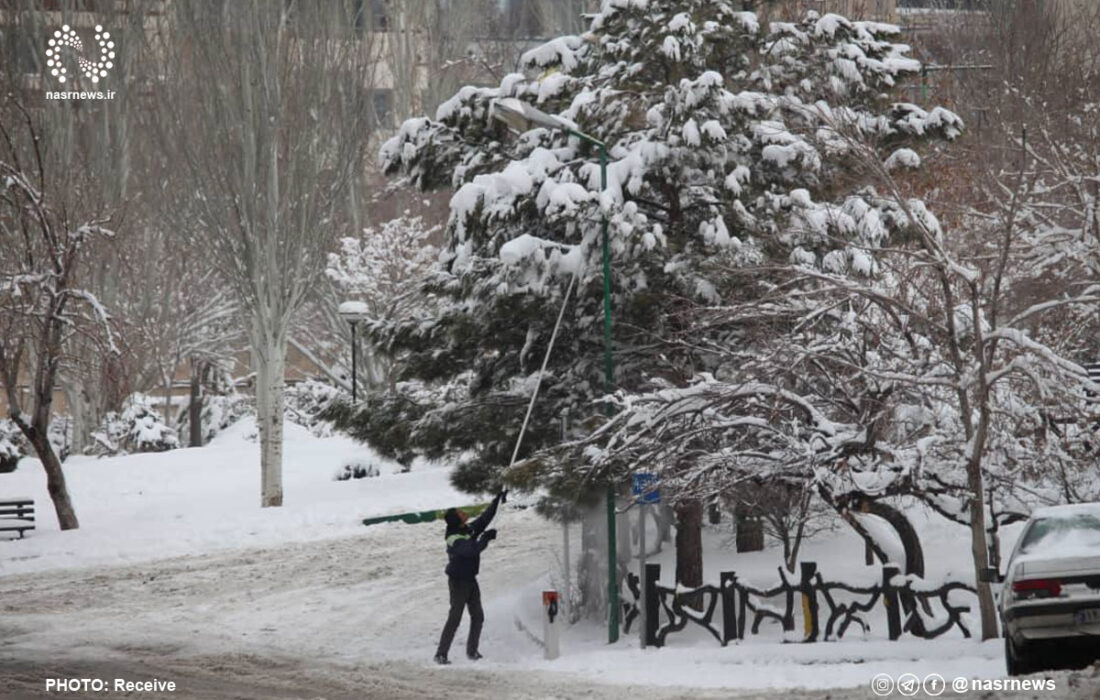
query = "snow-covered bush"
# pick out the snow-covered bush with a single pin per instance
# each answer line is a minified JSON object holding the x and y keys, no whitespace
{"x":218,"y":413}
{"x":12,"y":446}
{"x":357,"y":469}
{"x":107,"y":439}
{"x":145,"y":428}
{"x":138,"y":427}
{"x":304,"y":403}
{"x":61,"y":436}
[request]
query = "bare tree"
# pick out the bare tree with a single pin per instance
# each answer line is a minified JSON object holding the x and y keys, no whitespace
{"x":265,"y":113}
{"x":105,"y":142}
{"x":788,"y":512}
{"x":41,"y":305}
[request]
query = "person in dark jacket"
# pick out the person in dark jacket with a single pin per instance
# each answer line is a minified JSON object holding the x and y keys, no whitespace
{"x":465,"y":542}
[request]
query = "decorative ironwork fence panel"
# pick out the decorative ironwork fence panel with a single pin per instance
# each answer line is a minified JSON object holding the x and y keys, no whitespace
{"x":732,"y":608}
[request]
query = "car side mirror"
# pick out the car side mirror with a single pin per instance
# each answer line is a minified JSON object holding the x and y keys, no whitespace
{"x":990,"y":575}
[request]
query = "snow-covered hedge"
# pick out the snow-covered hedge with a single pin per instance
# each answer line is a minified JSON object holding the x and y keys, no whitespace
{"x":357,"y":469}
{"x":218,"y":413}
{"x":12,"y":446}
{"x":304,"y":403}
{"x":138,"y":427}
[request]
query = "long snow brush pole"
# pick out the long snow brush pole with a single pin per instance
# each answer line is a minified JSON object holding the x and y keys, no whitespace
{"x":542,"y":370}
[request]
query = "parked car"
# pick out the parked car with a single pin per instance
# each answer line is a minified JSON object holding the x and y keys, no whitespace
{"x":1050,"y":597}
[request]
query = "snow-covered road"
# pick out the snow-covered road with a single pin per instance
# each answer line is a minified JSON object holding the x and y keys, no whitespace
{"x":177,"y":574}
{"x":355,"y":617}
{"x":350,"y":617}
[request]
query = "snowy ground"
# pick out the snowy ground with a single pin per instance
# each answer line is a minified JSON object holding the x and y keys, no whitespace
{"x":177,"y":574}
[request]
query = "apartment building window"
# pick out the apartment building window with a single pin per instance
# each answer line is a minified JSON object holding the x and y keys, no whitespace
{"x":371,"y":15}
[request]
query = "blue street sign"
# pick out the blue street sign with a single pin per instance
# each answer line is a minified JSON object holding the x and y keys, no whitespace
{"x":645,"y":486}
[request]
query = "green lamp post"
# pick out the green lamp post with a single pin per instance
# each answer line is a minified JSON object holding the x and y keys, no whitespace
{"x":520,"y":116}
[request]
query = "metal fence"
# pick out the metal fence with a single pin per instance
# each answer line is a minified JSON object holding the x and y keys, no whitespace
{"x":829,"y":609}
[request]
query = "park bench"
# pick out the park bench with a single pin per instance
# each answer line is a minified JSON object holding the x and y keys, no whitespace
{"x":17,"y":514}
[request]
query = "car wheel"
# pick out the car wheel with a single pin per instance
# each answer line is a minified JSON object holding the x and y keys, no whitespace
{"x":1017,"y":660}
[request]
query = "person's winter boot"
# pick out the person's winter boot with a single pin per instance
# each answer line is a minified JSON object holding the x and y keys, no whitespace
{"x":441,"y":659}
{"x":473,"y":656}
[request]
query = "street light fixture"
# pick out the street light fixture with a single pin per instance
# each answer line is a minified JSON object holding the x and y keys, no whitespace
{"x":520,"y":116}
{"x":353,"y":312}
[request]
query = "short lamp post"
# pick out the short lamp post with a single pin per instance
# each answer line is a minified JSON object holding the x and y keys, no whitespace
{"x":520,"y":116}
{"x":353,"y":312}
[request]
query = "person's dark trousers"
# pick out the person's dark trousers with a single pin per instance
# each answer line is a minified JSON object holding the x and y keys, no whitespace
{"x":464,"y":593}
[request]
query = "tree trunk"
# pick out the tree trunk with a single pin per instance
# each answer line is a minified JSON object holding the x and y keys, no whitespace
{"x":79,"y":411}
{"x":976,"y":481}
{"x":194,"y":407}
{"x":55,"y":477}
{"x":45,"y":379}
{"x":270,"y":364}
{"x":37,"y":434}
{"x":910,"y":540}
{"x":795,"y":541}
{"x":689,"y":547}
{"x":169,"y":417}
{"x":750,"y":532}
{"x":980,"y":551}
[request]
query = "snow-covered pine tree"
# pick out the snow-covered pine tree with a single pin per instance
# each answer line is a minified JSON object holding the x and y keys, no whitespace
{"x":720,"y":133}
{"x":727,"y":150}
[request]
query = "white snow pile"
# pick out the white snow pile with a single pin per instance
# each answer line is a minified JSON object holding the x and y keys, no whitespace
{"x":903,"y":158}
{"x":187,"y":501}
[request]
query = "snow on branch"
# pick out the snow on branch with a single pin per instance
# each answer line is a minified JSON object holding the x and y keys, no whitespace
{"x":100,"y":313}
